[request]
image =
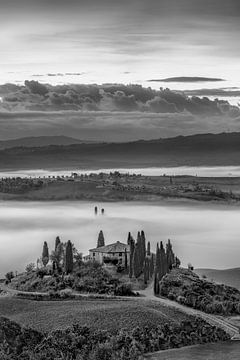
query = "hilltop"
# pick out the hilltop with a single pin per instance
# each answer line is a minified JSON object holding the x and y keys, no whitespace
{"x":230,"y":277}
{"x":204,"y":150}
{"x":38,"y":141}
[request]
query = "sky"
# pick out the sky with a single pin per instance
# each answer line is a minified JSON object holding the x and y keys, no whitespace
{"x":96,"y":41}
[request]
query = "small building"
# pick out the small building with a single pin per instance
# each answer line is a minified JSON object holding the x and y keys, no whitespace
{"x":111,"y":253}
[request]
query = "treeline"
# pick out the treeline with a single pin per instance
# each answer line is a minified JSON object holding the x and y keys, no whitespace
{"x":19,"y":185}
{"x":188,"y":289}
{"x":82,"y":342}
{"x":141,"y":259}
{"x":165,"y":261}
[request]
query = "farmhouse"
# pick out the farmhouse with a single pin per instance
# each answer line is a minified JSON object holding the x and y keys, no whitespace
{"x":116,"y":252}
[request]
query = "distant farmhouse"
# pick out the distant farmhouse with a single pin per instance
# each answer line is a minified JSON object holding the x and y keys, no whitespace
{"x":116,"y":252}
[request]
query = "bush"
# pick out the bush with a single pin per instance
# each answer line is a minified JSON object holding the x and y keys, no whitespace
{"x":83,"y":343}
{"x":187,"y":288}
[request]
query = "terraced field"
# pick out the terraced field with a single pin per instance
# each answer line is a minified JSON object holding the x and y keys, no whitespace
{"x":98,"y":314}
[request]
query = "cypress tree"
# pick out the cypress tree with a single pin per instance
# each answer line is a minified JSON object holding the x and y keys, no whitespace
{"x":157,"y":271}
{"x":45,"y":254}
{"x":101,"y":241}
{"x":156,"y":283}
{"x":69,"y":258}
{"x":148,"y":249}
{"x":132,"y":246}
{"x":129,"y":238}
{"x":158,"y":260}
{"x":170,"y":255}
{"x":163,"y":262}
{"x":151,"y":265}
{"x":57,"y":242}
{"x":125,"y":259}
{"x":137,"y":268}
{"x":143,"y":245}
{"x":145,"y":271}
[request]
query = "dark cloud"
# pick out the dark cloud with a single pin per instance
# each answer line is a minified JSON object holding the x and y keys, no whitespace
{"x":187,"y":79}
{"x":35,"y":96}
{"x":110,"y":126}
{"x":213,"y":92}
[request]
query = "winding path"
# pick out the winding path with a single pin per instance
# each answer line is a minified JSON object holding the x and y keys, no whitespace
{"x":230,"y":329}
{"x":147,"y":294}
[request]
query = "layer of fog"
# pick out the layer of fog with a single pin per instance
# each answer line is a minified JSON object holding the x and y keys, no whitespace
{"x":206,"y":235}
{"x":214,"y":171}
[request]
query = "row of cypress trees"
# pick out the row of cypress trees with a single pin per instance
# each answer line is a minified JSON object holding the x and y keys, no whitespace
{"x":141,"y":259}
{"x":165,"y":261}
{"x":62,"y":256}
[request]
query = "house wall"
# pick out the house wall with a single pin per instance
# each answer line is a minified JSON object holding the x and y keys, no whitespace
{"x":99,"y":256}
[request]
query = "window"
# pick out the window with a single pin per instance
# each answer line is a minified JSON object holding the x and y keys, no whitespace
{"x":120,"y":254}
{"x":93,"y":254}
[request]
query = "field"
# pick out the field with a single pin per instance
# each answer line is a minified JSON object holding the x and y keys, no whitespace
{"x":97,"y":314}
{"x":134,"y":188}
{"x":221,"y":351}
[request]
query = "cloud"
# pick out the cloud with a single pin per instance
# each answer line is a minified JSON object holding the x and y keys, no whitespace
{"x":110,"y":126}
{"x":35,"y":96}
{"x":187,"y":79}
{"x":214,"y":92}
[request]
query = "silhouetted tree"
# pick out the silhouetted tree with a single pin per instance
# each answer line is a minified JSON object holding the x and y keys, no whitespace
{"x":151,"y":265}
{"x":170,"y":255}
{"x":132,"y":246}
{"x":148,"y":249}
{"x":45,"y":254}
{"x":101,"y":241}
{"x":69,"y":258}
{"x":57,"y":242}
{"x":125,"y":259}
{"x":137,"y":266}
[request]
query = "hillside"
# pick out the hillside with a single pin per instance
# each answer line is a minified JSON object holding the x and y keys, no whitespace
{"x":230,"y":277}
{"x":39,"y":141}
{"x":203,"y":150}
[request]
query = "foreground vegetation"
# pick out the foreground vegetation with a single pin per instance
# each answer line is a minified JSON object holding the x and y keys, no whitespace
{"x":188,"y":289}
{"x":83,"y":343}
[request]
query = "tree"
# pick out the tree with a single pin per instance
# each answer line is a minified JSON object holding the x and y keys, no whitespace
{"x":137,"y":266}
{"x":143,"y":245}
{"x":132,"y":247}
{"x":151,"y":266}
{"x":57,"y":242}
{"x":170,"y":255}
{"x":101,"y":241}
{"x":45,"y":254}
{"x":129,"y":238}
{"x":30,"y":267}
{"x":125,"y":259}
{"x":163,"y":262}
{"x":177,"y":262}
{"x":69,"y":258}
{"x":148,"y":249}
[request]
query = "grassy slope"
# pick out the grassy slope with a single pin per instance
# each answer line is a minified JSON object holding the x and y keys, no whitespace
{"x":230,"y":277}
{"x":226,"y":351}
{"x":90,"y":190}
{"x":98,"y":314}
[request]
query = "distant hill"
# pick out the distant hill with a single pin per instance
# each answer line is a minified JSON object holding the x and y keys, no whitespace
{"x":229,"y":277}
{"x":187,"y":79}
{"x":36,"y":141}
{"x":196,"y":150}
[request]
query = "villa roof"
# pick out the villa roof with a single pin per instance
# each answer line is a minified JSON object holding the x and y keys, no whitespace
{"x":112,"y":248}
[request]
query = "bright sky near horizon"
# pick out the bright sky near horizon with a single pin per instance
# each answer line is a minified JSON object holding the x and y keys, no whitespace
{"x":119,"y":41}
